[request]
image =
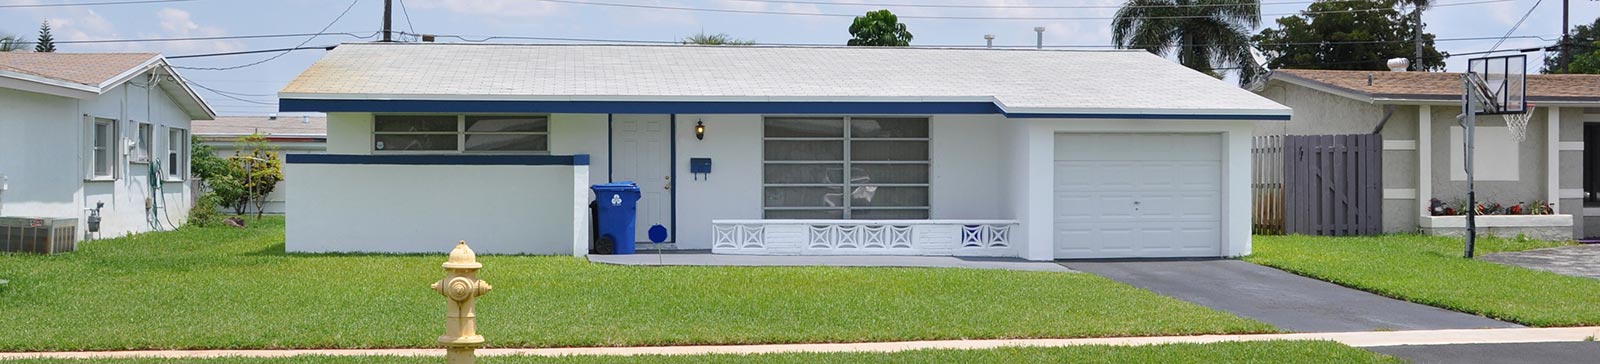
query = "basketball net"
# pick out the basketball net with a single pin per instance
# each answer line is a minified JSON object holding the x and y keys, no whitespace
{"x":1519,"y":123}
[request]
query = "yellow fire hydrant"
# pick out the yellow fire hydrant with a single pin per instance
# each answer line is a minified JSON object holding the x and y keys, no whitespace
{"x":462,"y":287}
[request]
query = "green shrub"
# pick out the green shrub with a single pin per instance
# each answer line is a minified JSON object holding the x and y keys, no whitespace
{"x":204,"y":213}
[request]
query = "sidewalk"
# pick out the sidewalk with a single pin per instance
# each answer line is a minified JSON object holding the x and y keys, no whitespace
{"x":1356,"y":339}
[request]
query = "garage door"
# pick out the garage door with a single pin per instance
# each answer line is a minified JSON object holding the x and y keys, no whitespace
{"x":1138,"y":195}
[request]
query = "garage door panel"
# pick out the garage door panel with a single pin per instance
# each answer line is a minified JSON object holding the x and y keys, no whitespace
{"x":1138,"y":195}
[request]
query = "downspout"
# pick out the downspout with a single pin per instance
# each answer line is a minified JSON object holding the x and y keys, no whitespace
{"x":1388,"y":110}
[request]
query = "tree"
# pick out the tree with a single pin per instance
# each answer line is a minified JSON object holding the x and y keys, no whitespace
{"x":258,"y":168}
{"x":1585,"y":57}
{"x":879,"y":29}
{"x":1346,"y":35}
{"x":716,"y":39}
{"x":47,"y":42}
{"x":10,"y":43}
{"x":1205,"y":35}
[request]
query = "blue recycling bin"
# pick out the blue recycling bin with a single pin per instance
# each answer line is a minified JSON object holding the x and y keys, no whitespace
{"x":616,"y":206}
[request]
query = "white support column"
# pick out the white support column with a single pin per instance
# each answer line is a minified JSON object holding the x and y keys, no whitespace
{"x":1552,"y":149}
{"x":1424,"y":158}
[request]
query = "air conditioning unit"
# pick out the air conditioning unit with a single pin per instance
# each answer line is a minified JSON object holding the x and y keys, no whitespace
{"x":40,"y":235}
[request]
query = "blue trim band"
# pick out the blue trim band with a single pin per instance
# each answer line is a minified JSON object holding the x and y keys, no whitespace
{"x":437,"y":159}
{"x":710,"y":107}
{"x":636,"y":107}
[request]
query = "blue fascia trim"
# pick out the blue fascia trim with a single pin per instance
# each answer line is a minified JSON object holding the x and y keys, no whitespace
{"x":636,"y":107}
{"x":436,"y":159}
{"x":716,"y":107}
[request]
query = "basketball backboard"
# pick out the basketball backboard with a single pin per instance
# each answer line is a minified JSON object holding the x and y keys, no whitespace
{"x":1502,"y":83}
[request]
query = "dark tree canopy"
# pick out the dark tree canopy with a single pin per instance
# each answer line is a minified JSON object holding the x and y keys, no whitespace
{"x":1347,"y":35}
{"x":47,"y":42}
{"x":1585,"y":45}
{"x":1206,"y":35}
{"x":879,"y":28}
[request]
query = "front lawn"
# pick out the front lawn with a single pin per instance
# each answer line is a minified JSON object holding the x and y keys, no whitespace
{"x":235,"y":288}
{"x":1429,"y":270}
{"x":1287,"y":352}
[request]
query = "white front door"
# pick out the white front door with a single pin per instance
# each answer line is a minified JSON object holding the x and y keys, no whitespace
{"x":1138,"y":195}
{"x":641,"y":152}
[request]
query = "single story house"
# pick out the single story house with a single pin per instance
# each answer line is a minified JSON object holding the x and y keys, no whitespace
{"x":81,"y":129}
{"x":1415,"y":114}
{"x":775,"y":150}
{"x":299,"y":134}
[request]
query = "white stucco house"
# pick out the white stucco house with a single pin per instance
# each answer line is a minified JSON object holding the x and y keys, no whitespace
{"x":299,"y":134}
{"x":80,"y":129}
{"x":775,"y":150}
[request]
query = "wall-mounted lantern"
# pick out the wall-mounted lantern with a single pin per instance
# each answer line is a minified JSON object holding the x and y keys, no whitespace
{"x":700,"y":130}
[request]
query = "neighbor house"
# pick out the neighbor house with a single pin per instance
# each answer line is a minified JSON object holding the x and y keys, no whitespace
{"x":82,"y":129}
{"x":1415,"y":114}
{"x":287,"y":135}
{"x":775,"y":150}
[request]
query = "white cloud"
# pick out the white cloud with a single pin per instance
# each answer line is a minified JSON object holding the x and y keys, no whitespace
{"x":177,"y":23}
{"x":491,"y":8}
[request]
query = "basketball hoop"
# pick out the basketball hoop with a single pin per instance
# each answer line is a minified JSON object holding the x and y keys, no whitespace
{"x":1519,"y":123}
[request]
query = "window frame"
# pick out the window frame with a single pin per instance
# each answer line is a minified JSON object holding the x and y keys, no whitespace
{"x":847,"y":163}
{"x":144,"y":142}
{"x":461,"y":134}
{"x":112,"y":141}
{"x":177,"y":155}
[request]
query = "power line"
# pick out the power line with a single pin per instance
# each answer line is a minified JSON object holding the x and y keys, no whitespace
{"x":285,"y":52}
{"x":768,"y":12}
{"x":407,"y":13}
{"x":92,"y":4}
{"x":221,"y":37}
{"x":227,"y":94}
{"x":967,"y":6}
{"x":201,"y":55}
{"x":1518,"y":24}
{"x":486,"y":38}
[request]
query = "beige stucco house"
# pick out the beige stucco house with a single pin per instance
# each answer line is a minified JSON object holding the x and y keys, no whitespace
{"x":1415,"y":113}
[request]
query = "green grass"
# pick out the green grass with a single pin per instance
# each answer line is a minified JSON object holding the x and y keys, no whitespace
{"x":1429,"y":270}
{"x":231,"y":288}
{"x":1232,"y":352}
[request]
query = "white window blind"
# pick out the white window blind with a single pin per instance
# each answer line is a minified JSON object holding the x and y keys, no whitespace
{"x":845,"y":168}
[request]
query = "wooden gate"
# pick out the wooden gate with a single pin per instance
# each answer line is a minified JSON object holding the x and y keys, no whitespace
{"x":1318,"y":184}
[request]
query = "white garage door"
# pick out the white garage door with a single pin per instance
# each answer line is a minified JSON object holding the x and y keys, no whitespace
{"x":1138,"y":195}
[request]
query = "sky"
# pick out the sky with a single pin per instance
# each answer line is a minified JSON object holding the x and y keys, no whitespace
{"x":257,"y":84}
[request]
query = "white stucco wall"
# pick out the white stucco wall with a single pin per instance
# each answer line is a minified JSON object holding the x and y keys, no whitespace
{"x":499,"y":209}
{"x":44,"y":144}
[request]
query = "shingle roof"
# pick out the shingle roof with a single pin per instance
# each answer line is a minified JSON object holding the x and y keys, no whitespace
{"x":1444,"y":85}
{"x":1015,"y":79}
{"x":90,"y":69}
{"x":283,"y":126}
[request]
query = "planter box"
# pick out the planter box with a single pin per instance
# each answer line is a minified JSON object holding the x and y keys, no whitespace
{"x":1542,"y":227}
{"x":983,"y":238}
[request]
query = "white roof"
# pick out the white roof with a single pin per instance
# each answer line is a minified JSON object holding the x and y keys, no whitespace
{"x":1029,"y":81}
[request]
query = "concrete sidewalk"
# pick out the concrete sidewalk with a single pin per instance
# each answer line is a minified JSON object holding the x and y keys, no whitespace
{"x":706,"y":258}
{"x":1356,"y":339}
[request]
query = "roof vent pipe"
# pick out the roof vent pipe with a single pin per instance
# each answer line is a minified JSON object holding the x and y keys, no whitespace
{"x":1399,"y":64}
{"x":1040,"y":30}
{"x":305,"y":119}
{"x":988,"y":40}
{"x":272,"y":116}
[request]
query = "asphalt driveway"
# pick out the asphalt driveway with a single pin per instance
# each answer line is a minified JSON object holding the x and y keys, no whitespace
{"x":1282,"y":299}
{"x":1577,"y":260}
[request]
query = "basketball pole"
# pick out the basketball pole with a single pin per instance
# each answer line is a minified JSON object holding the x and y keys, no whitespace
{"x":1470,"y":118}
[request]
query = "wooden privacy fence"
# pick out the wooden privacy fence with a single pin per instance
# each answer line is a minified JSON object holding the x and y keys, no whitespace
{"x":1318,"y":184}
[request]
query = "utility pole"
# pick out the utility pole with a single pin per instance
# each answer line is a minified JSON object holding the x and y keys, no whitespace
{"x":1416,"y":37}
{"x":1566,"y":31}
{"x":388,"y":15}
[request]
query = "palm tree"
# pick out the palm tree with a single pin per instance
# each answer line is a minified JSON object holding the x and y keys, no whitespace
{"x":716,"y":39}
{"x":10,"y":43}
{"x":1205,"y":35}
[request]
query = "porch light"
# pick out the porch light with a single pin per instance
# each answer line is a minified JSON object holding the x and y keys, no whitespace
{"x":700,"y":129}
